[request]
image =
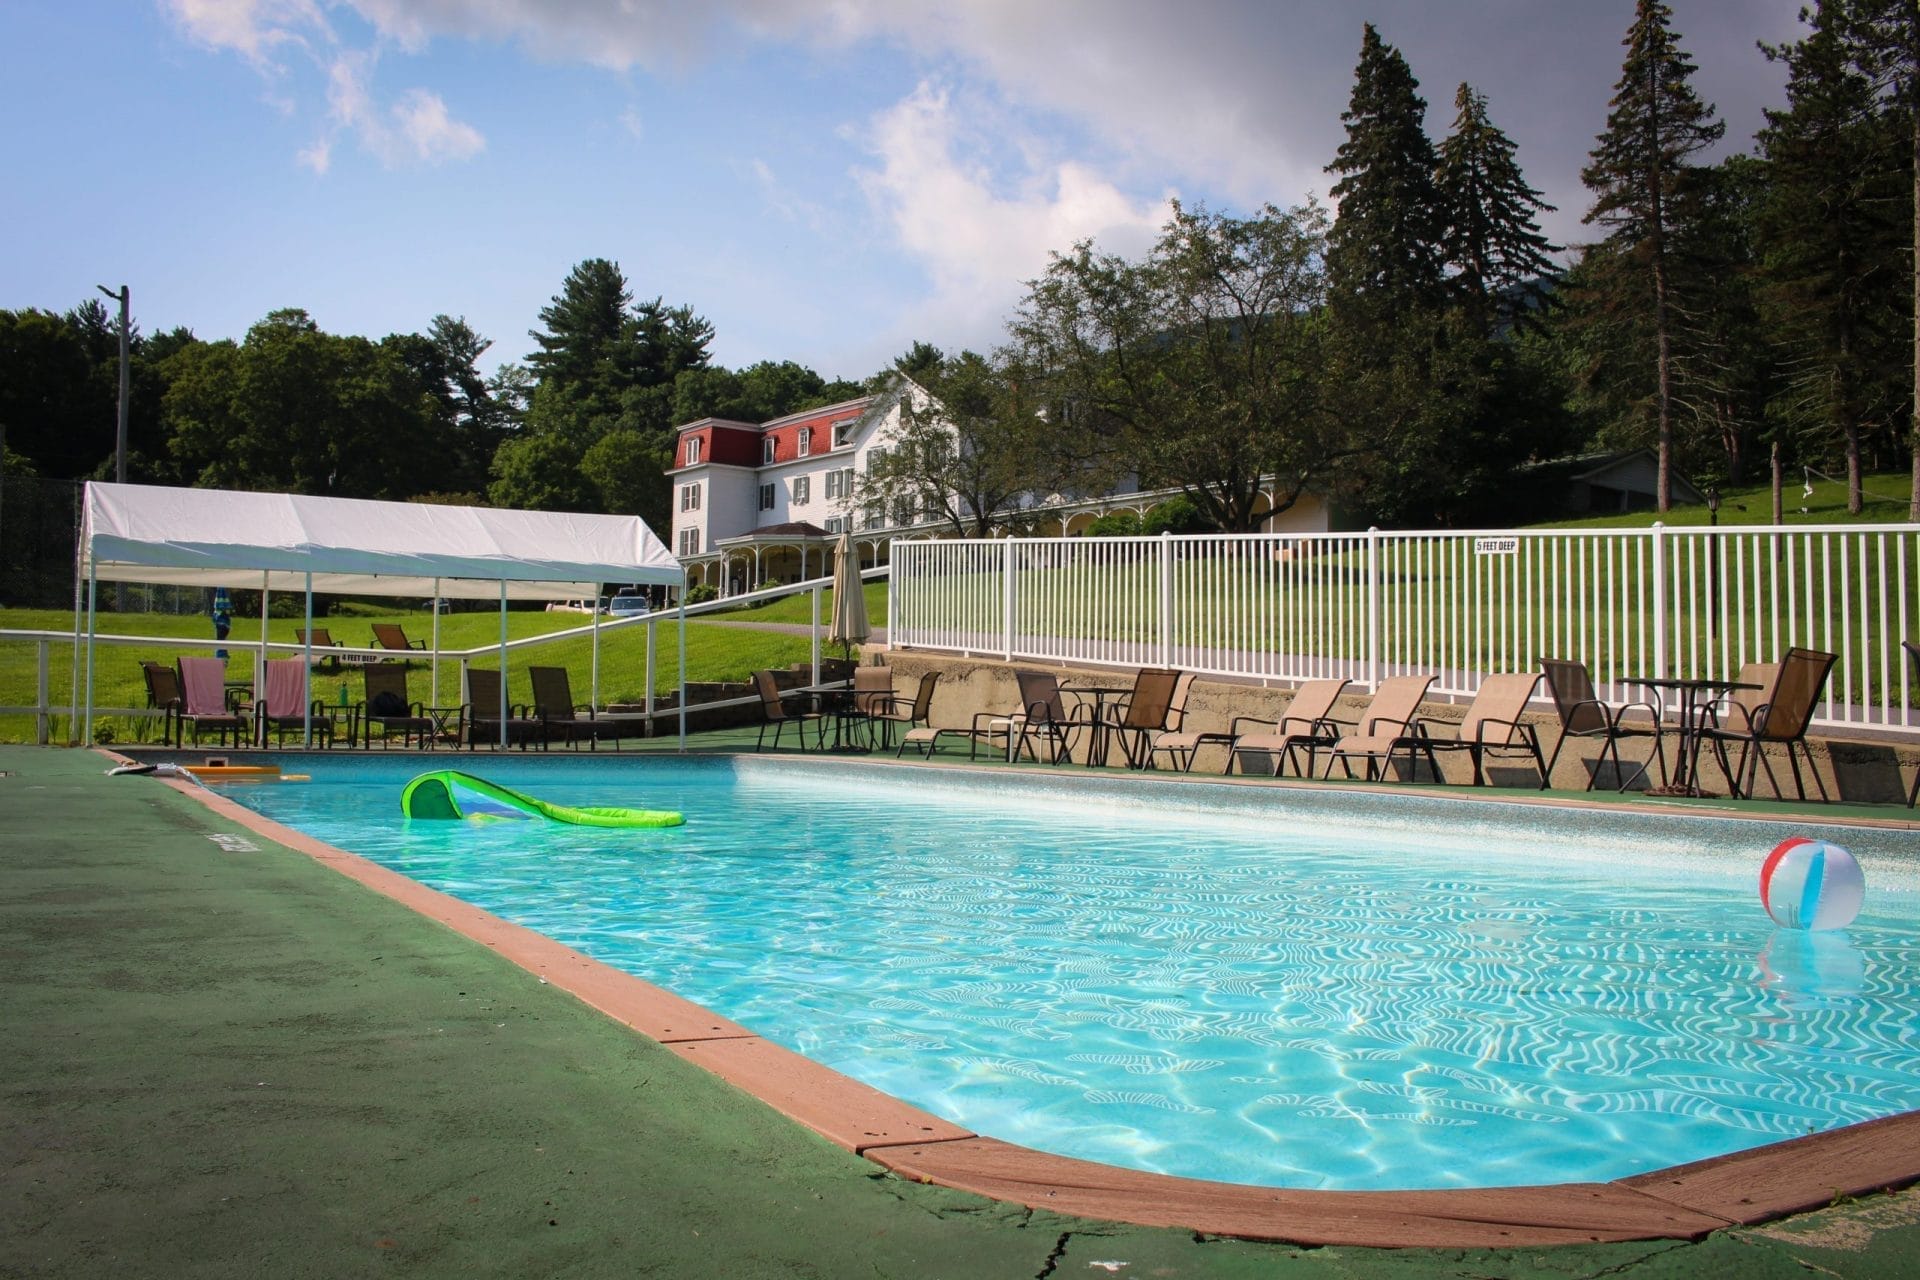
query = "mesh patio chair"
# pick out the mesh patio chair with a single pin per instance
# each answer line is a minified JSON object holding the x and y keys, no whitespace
{"x":915,"y":719}
{"x":391,"y":635}
{"x":1390,"y":725}
{"x":775,"y":712}
{"x":1178,"y":742}
{"x":1583,"y":715}
{"x":482,"y":714}
{"x":386,"y":708}
{"x":1493,"y":726}
{"x":285,"y":708}
{"x":1134,"y":718}
{"x":1043,"y":713}
{"x":1307,"y":725}
{"x":163,"y":694}
{"x":203,"y":702}
{"x":322,"y":639}
{"x":569,"y":721}
{"x":1778,"y":715}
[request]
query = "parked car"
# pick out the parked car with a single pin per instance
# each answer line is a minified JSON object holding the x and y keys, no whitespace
{"x":629,"y":604}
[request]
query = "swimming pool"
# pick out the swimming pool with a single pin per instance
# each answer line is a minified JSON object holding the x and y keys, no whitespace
{"x":1277,"y":987}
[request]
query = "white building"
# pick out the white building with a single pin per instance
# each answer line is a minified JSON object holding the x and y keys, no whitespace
{"x":758,"y":503}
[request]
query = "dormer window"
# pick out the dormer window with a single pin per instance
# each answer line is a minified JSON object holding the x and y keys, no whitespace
{"x":843,"y":433}
{"x":767,"y":449}
{"x":693,"y":450}
{"x":806,"y":441}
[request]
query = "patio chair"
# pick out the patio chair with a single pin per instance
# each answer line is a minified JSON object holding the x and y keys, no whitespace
{"x":391,"y":635}
{"x":1137,"y":717}
{"x":1307,"y":724}
{"x":915,"y":719}
{"x":1583,"y":715}
{"x":481,"y":712}
{"x":1913,"y":652}
{"x":568,"y":721}
{"x":386,"y":708}
{"x":284,"y":707}
{"x":775,"y":711}
{"x":1391,"y":723}
{"x":1493,"y":725}
{"x":163,"y":694}
{"x":1779,"y":715}
{"x":1042,"y":712}
{"x":872,"y":697}
{"x":203,"y":702}
{"x":1179,"y":742}
{"x":321,"y":640}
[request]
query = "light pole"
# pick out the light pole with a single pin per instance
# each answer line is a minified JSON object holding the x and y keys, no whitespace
{"x":120,"y":431}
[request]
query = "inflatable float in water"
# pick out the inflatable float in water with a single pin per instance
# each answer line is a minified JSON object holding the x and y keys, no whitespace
{"x":448,"y":793}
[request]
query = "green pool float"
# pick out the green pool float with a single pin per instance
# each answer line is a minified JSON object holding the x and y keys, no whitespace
{"x":448,"y":793}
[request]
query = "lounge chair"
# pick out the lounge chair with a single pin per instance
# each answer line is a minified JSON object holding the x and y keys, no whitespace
{"x":391,"y":635}
{"x":1043,"y":712}
{"x":203,"y":702}
{"x":482,"y":714}
{"x":1179,"y":742}
{"x":163,"y":694}
{"x":1391,"y":723}
{"x":1493,"y":725}
{"x":563,"y":718}
{"x":1780,"y":715}
{"x":321,"y":640}
{"x":1307,"y":724}
{"x":284,"y":707}
{"x":1137,"y":717}
{"x":775,"y":711}
{"x":1583,"y":715}
{"x":386,"y":708}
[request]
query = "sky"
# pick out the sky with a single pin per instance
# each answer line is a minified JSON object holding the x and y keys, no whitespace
{"x":824,"y":181}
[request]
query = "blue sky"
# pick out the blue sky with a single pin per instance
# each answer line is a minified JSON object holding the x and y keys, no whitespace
{"x":825,"y":182}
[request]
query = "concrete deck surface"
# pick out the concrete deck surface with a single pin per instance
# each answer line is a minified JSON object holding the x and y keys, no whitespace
{"x":220,"y":1058}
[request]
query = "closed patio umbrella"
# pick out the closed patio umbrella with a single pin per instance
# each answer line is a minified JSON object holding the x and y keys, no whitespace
{"x":849,"y":626}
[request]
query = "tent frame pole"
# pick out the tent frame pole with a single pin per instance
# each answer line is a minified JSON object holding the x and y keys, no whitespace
{"x":503,"y":664}
{"x":433,"y":659}
{"x":93,"y":619}
{"x":306,"y":675}
{"x":683,"y":665}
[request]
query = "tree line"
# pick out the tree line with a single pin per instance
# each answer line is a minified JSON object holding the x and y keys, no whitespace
{"x":1402,"y":355}
{"x":1406,"y":354}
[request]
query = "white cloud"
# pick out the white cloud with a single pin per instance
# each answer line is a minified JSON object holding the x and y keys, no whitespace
{"x":251,"y":28}
{"x":978,"y":238}
{"x":430,"y":133}
{"x":631,"y":121}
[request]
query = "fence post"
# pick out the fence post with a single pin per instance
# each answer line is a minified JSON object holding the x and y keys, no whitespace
{"x":1373,"y":606}
{"x":1660,"y":599}
{"x":651,"y":660}
{"x":1166,"y":597}
{"x":1007,"y":600}
{"x":43,"y":713}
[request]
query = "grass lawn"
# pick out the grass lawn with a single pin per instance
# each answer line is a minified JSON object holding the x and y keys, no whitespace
{"x":713,"y":654}
{"x":799,"y":608}
{"x":1885,"y":502}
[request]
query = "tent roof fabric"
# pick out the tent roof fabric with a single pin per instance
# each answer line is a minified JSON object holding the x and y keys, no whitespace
{"x":219,"y":537}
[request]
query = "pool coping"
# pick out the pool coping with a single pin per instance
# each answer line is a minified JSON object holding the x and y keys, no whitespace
{"x":1684,"y":1202}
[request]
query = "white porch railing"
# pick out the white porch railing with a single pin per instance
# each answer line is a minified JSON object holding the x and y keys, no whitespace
{"x":1628,"y":602}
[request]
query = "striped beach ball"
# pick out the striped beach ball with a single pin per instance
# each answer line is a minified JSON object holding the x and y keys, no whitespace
{"x":1811,"y":884}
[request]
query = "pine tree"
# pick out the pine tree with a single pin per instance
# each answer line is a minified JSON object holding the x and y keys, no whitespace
{"x":1832,"y":236}
{"x":1639,"y":175}
{"x":1885,"y":35}
{"x":1384,"y":251}
{"x":1490,"y":237}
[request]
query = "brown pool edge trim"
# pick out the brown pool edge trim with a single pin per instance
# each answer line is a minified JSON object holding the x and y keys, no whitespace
{"x":1684,"y":1202}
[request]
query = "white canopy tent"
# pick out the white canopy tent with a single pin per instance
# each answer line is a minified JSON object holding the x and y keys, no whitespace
{"x":351,"y":546}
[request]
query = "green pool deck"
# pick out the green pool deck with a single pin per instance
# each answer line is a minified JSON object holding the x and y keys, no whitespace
{"x":218,"y":1057}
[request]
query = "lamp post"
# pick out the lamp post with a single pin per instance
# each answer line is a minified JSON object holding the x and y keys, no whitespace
{"x":125,"y":297}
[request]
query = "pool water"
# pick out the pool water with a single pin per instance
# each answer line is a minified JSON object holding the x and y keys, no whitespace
{"x":1250,"y":997}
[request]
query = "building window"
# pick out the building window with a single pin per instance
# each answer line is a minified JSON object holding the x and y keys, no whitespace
{"x":689,"y":542}
{"x":693,"y":450}
{"x":836,"y":524}
{"x":843,"y":433}
{"x":802,"y":487}
{"x":690,"y":497}
{"x":906,"y":510}
{"x":767,"y":449}
{"x":840,"y":483}
{"x":873,"y":516}
{"x":806,"y":441}
{"x":766,"y":497}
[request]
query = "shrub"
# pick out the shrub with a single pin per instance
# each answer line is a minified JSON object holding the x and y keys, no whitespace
{"x":703,"y":593}
{"x":1115,"y":524}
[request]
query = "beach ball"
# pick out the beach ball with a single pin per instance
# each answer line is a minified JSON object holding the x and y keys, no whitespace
{"x":1811,"y":884}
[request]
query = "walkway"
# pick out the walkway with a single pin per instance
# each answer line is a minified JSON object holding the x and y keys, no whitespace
{"x":225,"y":1060}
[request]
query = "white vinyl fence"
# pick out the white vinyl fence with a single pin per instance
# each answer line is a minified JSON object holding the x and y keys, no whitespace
{"x":1628,"y":602}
